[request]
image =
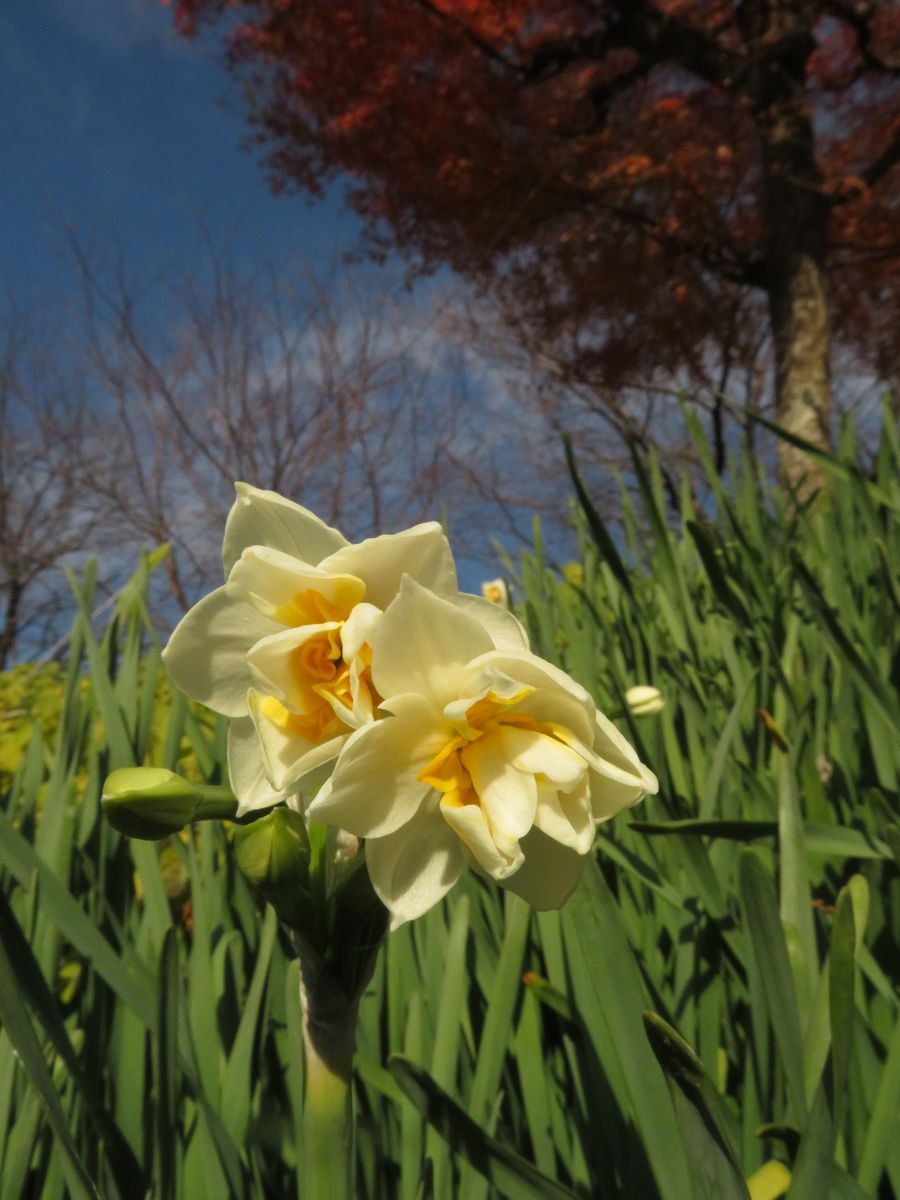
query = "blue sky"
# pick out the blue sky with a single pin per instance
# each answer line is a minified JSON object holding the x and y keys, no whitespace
{"x":115,"y":124}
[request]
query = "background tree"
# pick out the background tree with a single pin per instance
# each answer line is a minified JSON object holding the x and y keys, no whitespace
{"x":46,"y":519}
{"x":632,"y":174}
{"x":567,"y":394}
{"x":131,"y":401}
{"x":326,"y":386}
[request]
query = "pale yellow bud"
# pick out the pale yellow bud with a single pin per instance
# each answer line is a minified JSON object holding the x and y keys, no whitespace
{"x":644,"y":701}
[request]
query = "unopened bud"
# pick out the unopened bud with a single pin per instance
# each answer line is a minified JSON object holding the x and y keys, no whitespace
{"x":644,"y":701}
{"x":273,"y":854}
{"x":152,"y":802}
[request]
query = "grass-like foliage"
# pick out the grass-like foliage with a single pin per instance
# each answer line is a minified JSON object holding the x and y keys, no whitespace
{"x":716,"y":1004}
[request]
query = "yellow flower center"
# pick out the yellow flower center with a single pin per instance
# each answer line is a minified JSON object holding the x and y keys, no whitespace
{"x":317,"y":725}
{"x":318,"y":665}
{"x":319,"y":658}
{"x":310,"y":607}
{"x":448,"y":772}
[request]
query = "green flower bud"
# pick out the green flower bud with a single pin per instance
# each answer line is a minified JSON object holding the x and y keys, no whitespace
{"x":273,"y":854}
{"x":151,"y":802}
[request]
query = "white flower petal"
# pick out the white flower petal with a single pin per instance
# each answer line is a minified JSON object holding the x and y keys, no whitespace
{"x":628,"y":776}
{"x":540,"y":754}
{"x":359,"y":628}
{"x":485,"y":684}
{"x":507,"y":632}
{"x":288,"y":757}
{"x":307,"y":786}
{"x":470,"y":825}
{"x":508,"y":797}
{"x":615,"y":749}
{"x":413,"y":707}
{"x":207,"y":653}
{"x":361,"y":693}
{"x":414,"y":868}
{"x":423,"y":644}
{"x":529,"y":668}
{"x":260,"y":518}
{"x":566,"y":818}
{"x":618,"y":777}
{"x":610,"y":796}
{"x":374,"y":789}
{"x":270,"y":580}
{"x":245,"y":769}
{"x":556,"y":697}
{"x":549,"y":874}
{"x":423,"y":553}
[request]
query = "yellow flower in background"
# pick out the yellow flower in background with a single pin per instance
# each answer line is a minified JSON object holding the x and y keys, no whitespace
{"x":284,"y":647}
{"x":488,"y":757}
{"x":496,"y":591}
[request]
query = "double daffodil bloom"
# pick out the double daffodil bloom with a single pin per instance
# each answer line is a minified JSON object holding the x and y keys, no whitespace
{"x":488,"y":757}
{"x":284,"y":648}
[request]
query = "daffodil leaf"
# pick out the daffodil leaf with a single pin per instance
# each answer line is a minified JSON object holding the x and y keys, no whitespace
{"x":15,"y":1020}
{"x":512,"y":1175}
{"x":715,"y":1173}
{"x":34,"y":990}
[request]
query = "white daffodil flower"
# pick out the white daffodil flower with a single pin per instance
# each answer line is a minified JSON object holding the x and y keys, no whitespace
{"x":284,"y":648}
{"x":488,"y":757}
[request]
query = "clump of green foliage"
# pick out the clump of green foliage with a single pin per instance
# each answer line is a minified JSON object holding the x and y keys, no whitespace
{"x":713,"y":1014}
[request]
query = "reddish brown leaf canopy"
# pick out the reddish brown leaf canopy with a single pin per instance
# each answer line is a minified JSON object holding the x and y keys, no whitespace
{"x":604,"y":156}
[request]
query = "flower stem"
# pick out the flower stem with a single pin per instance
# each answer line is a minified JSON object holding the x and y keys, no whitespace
{"x":329,"y":1029}
{"x":216,"y":803}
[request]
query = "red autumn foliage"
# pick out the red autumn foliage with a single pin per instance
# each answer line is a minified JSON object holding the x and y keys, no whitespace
{"x":602,"y":158}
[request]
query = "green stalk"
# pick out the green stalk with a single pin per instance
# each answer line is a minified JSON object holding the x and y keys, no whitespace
{"x":216,"y":803}
{"x":329,"y":1030}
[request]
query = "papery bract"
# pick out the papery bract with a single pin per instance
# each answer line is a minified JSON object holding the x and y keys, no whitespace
{"x":488,"y":757}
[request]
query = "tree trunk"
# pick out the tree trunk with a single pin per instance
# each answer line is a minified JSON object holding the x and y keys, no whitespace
{"x":799,"y":316}
{"x":796,"y":214}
